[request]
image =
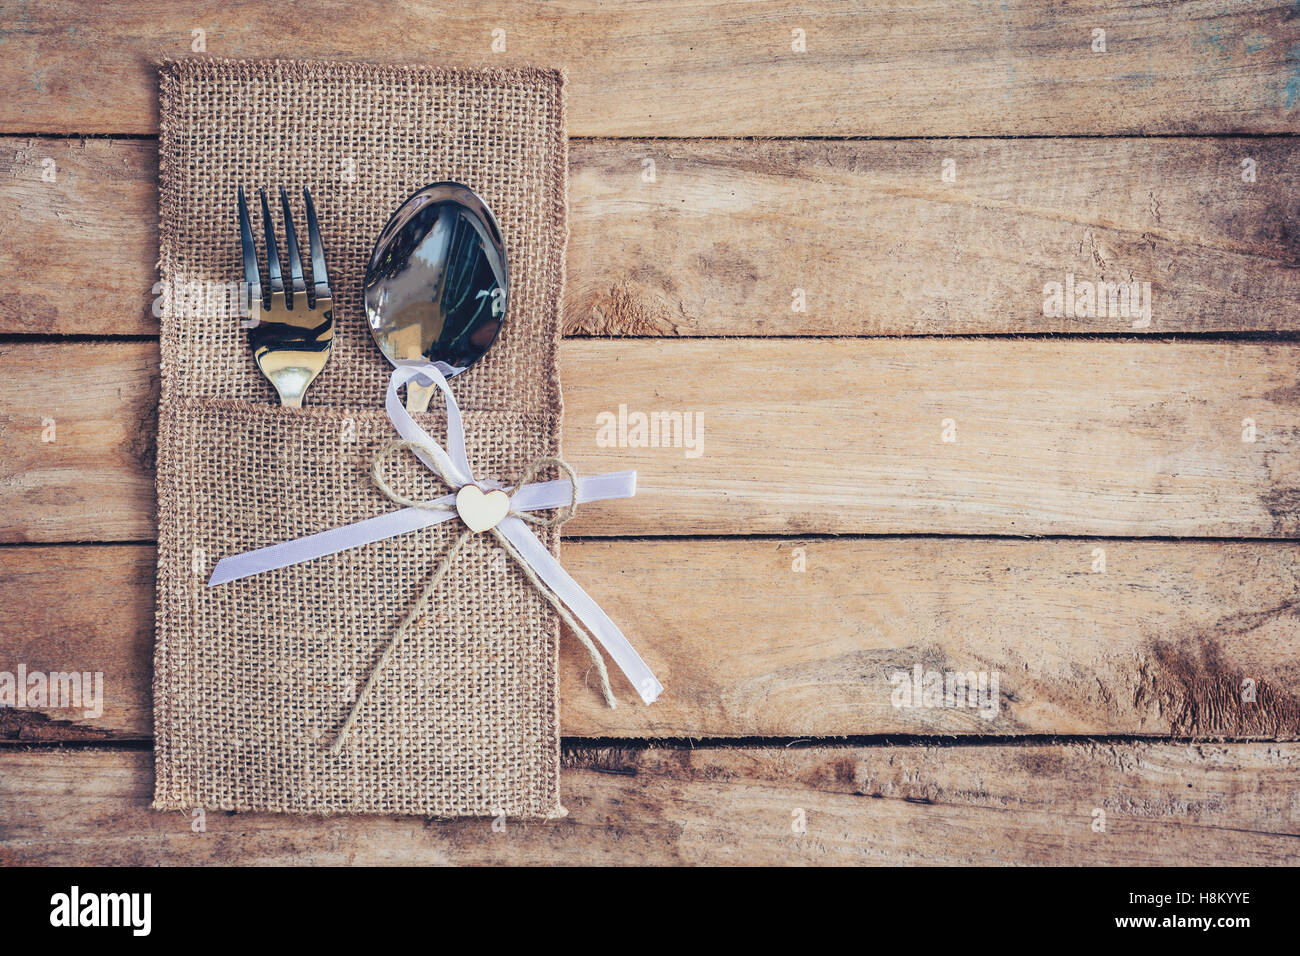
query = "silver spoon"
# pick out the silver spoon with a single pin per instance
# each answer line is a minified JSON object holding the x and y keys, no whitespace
{"x":437,"y":284}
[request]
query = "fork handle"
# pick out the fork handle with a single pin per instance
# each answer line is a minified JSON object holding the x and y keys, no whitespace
{"x":290,"y":384}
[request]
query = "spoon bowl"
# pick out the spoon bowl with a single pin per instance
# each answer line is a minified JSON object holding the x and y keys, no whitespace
{"x":437,"y":284}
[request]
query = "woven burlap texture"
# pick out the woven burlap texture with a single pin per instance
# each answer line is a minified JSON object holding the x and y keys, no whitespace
{"x":253,"y":678}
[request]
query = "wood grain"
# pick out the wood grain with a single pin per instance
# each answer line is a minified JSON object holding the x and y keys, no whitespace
{"x":81,"y":252}
{"x":1182,"y":804}
{"x":799,"y":437}
{"x":717,"y":245}
{"x":1165,"y":640}
{"x":877,"y":243}
{"x":108,"y":628}
{"x":925,"y":68}
{"x":77,"y":458}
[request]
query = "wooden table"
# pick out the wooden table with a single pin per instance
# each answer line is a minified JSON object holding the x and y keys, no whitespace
{"x":830,"y":230}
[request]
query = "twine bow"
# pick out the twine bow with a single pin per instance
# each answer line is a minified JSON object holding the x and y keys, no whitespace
{"x":575,"y":607}
{"x":567,"y":512}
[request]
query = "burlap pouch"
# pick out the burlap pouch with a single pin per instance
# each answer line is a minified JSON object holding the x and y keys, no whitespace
{"x":253,"y":678}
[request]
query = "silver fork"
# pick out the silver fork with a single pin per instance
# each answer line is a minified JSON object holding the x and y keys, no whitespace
{"x":291,"y":333}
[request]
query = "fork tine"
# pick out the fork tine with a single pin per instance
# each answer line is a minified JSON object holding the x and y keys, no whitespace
{"x":319,"y":277}
{"x":296,"y":283}
{"x":272,"y":252}
{"x":252,"y":277}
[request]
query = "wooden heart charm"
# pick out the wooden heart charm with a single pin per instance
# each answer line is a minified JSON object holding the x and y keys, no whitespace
{"x":482,"y":510}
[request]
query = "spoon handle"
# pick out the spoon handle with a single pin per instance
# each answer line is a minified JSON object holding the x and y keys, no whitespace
{"x":417,"y":397}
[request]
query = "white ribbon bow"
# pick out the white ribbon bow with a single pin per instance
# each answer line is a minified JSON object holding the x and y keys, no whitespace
{"x":455,"y":467}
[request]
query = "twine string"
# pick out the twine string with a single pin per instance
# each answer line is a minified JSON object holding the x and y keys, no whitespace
{"x":440,"y":572}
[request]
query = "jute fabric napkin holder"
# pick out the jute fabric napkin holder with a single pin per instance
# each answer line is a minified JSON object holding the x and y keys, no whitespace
{"x":252,"y":679}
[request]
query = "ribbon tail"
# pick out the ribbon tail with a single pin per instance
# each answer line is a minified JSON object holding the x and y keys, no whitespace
{"x":287,"y":553}
{"x":557,"y":494}
{"x":584,"y":608}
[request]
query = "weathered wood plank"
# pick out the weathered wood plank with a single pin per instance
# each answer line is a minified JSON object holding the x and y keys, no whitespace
{"x":867,"y":238}
{"x":709,"y":67}
{"x":1187,"y":638}
{"x":719,"y":242}
{"x":86,"y":610}
{"x":798,"y":436}
{"x":78,"y":440}
{"x":81,"y":251}
{"x":1034,"y":804}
